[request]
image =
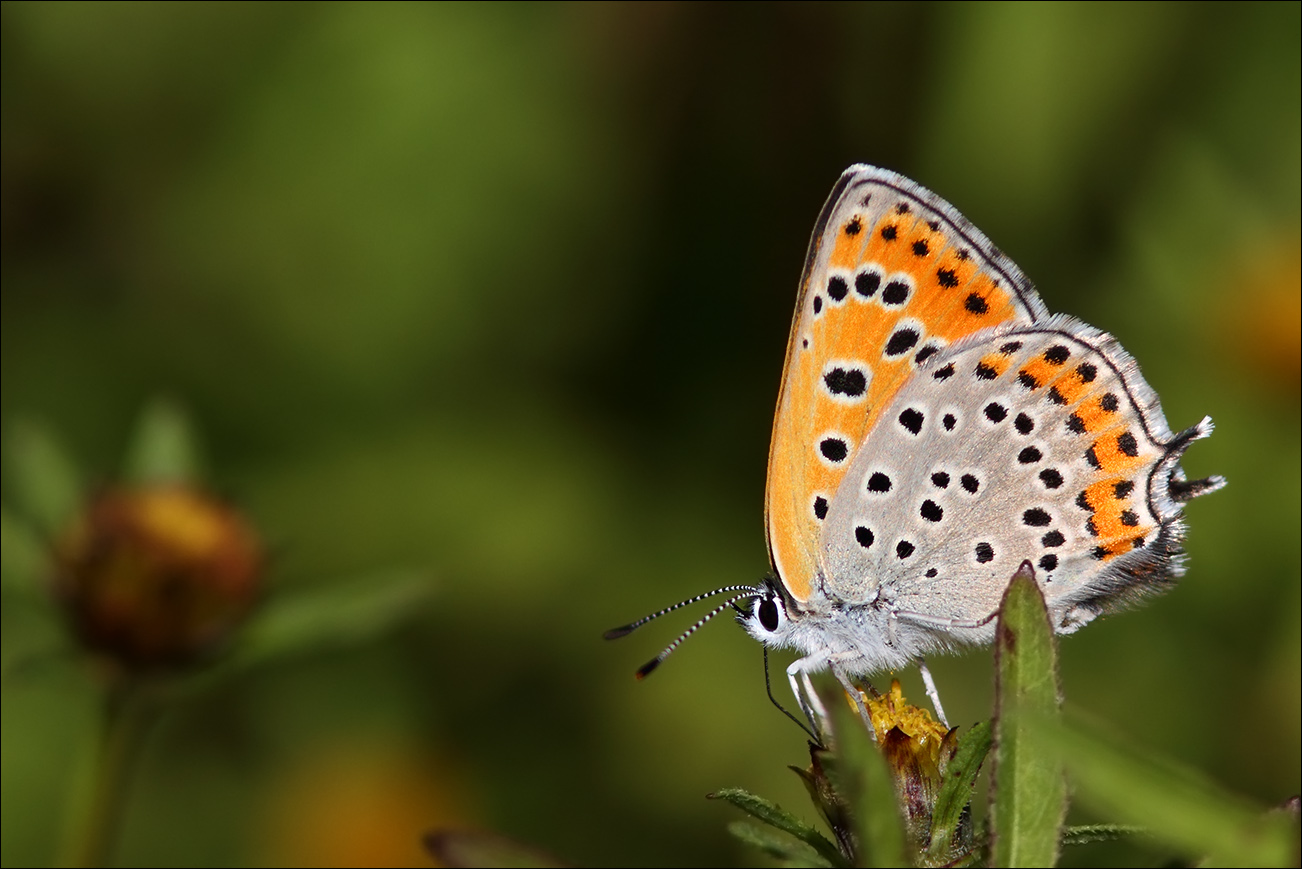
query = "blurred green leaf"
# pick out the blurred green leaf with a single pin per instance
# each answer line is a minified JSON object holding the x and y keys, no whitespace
{"x":164,"y":448}
{"x":780,"y":846}
{"x":338,"y":614}
{"x":956,"y":789}
{"x":1030,"y":793}
{"x":1173,"y":804}
{"x":861,"y":777}
{"x":34,"y":637}
{"x":24,"y":560}
{"x":31,"y":625}
{"x":44,"y":481}
{"x":783,"y":820}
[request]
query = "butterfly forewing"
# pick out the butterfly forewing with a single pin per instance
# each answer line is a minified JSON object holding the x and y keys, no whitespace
{"x":893,"y":275}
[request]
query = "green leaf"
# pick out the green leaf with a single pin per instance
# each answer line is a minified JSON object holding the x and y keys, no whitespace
{"x":861,"y":777}
{"x":339,"y":614}
{"x":33,"y":631}
{"x":825,"y":799}
{"x":1030,"y":793}
{"x":1087,"y":833}
{"x":776,"y":816}
{"x":779,"y":845}
{"x":45,"y":483}
{"x":24,"y":559}
{"x":956,"y":790}
{"x":1173,"y":804}
{"x":34,"y":638}
{"x":164,"y":448}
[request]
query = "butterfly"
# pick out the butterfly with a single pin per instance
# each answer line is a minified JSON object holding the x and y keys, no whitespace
{"x":936,"y":427}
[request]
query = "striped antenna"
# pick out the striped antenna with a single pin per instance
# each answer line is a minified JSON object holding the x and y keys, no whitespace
{"x":616,"y":633}
{"x":646,"y":668}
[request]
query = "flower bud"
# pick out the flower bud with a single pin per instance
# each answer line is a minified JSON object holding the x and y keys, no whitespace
{"x":157,"y":577}
{"x":917,"y":749}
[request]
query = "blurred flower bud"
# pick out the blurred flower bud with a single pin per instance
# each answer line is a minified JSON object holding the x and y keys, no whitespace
{"x":156,"y":577}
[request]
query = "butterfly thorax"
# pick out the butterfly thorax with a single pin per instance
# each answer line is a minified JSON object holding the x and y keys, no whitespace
{"x":860,"y":637}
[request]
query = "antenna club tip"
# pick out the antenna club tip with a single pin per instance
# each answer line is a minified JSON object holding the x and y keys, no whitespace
{"x":616,"y":633}
{"x":646,"y":669}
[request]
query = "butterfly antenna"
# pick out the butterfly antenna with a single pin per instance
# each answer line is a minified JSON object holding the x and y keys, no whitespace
{"x":646,"y":668}
{"x":616,"y":633}
{"x":768,"y":689}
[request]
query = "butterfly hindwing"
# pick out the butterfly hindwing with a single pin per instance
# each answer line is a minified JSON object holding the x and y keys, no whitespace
{"x":893,"y":276}
{"x":1039,"y":443}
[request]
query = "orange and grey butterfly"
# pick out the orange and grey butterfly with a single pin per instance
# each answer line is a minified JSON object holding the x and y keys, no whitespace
{"x":936,"y":428}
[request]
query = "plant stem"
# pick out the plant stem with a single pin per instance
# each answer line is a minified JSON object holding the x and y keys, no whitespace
{"x":124,"y":721}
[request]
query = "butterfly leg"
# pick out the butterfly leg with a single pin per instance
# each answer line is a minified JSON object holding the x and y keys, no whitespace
{"x":852,"y":691}
{"x":815,"y":701}
{"x":892,"y":634}
{"x":892,"y":628}
{"x":810,"y":703}
{"x":806,"y":697}
{"x":930,"y":683}
{"x":939,"y":621}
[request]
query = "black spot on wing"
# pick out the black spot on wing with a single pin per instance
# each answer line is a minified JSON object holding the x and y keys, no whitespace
{"x":901,"y":341}
{"x":879,"y":483}
{"x":837,"y":288}
{"x":849,"y":382}
{"x":866,"y":283}
{"x":1036,"y":518}
{"x":833,"y":449}
{"x":911,"y":419}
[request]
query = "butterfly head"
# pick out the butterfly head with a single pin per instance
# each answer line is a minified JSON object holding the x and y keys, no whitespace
{"x":768,"y":614}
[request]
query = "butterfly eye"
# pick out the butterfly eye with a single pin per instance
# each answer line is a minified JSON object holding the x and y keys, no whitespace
{"x":768,"y":614}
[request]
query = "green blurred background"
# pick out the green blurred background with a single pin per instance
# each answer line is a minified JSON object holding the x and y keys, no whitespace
{"x":500,"y":293}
